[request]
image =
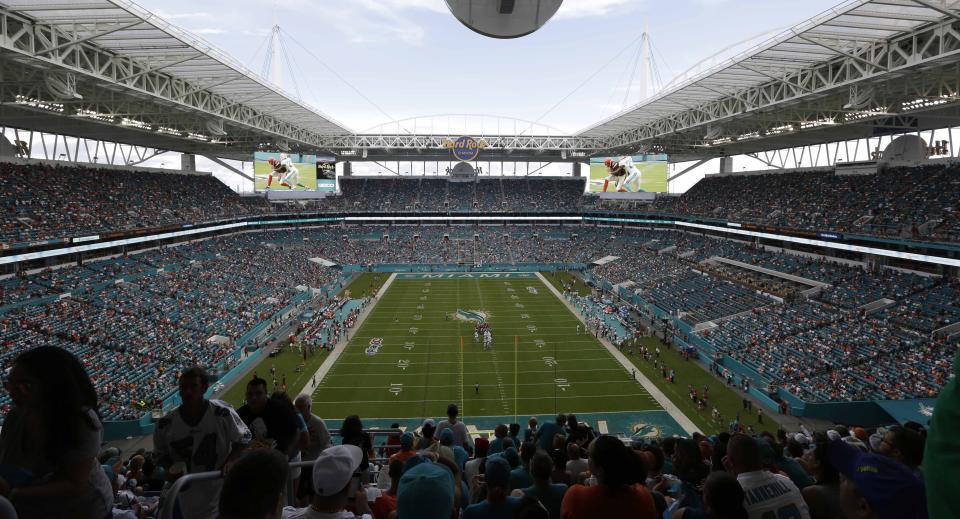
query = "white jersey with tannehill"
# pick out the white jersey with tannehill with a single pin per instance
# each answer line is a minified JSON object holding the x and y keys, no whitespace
{"x":772,"y":495}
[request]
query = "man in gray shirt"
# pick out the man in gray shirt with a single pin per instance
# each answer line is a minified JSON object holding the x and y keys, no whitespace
{"x":460,"y":435}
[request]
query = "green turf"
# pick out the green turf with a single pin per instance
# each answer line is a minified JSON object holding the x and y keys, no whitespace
{"x":398,"y":382}
{"x":366,"y":284}
{"x":728,"y":401}
{"x":286,"y":364}
{"x":559,"y":279}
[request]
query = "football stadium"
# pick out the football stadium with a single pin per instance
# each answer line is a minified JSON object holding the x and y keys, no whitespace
{"x":306,"y":269}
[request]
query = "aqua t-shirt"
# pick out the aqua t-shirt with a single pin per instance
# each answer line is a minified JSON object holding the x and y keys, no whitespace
{"x":550,"y":496}
{"x":487,"y":510}
{"x":520,"y":478}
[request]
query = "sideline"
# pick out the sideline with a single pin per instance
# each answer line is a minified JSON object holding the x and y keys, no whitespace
{"x":338,"y":350}
{"x":651,"y":388}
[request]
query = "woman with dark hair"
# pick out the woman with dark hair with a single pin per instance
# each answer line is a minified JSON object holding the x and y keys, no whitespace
{"x":689,"y":467}
{"x":619,"y":490}
{"x":724,"y":499}
{"x":53,"y":433}
{"x":822,"y":497}
{"x":352,"y":433}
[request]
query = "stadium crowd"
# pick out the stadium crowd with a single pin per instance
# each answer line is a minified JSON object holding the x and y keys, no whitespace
{"x":42,"y":202}
{"x":137,"y":320}
{"x":556,"y":469}
{"x":915,"y":202}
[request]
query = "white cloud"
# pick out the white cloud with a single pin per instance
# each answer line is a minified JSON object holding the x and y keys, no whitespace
{"x":585,"y":8}
{"x":208,"y":30}
{"x":437,"y":6}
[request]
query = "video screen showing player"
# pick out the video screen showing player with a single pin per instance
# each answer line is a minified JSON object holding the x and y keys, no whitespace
{"x":283,"y":171}
{"x":628,"y":174}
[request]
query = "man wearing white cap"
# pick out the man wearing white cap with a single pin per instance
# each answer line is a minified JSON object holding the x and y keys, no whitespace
{"x":334,"y":486}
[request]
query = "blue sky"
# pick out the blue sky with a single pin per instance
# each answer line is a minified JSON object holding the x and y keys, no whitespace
{"x":412,"y":58}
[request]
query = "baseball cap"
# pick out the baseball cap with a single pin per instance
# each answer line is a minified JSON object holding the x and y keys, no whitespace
{"x":497,"y":472}
{"x":889,"y":486}
{"x":334,"y":467}
{"x":406,"y":440}
{"x":425,"y":492}
{"x":446,"y":435}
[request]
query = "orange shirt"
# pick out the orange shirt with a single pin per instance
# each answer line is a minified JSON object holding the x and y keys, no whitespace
{"x":581,"y":502}
{"x":403,"y":455}
{"x":384,"y":504}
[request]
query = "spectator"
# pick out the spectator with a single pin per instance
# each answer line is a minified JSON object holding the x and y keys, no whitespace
{"x":690,"y":468}
{"x":472,"y":468}
{"x":498,"y":502}
{"x":724,"y":499}
{"x":427,"y":432}
{"x":458,"y":453}
{"x":513,"y":431}
{"x":942,"y":452}
{"x":406,"y":448}
{"x":876,"y":487}
{"x":271,"y":423}
{"x":549,"y":494}
{"x":392,"y":445}
{"x":577,"y":432}
{"x":903,"y":445}
{"x":531,"y":508}
{"x":253,"y":489}
{"x":765,"y":492}
{"x":426,"y":491}
{"x":319,"y":439}
{"x":302,"y":439}
{"x":460,"y":435}
{"x":530,"y":432}
{"x":520,"y":476}
{"x":199,"y":436}
{"x":351,"y":433}
{"x":53,"y":433}
{"x":560,"y":472}
{"x":387,"y":502}
{"x":575,"y":464}
{"x":545,"y":435}
{"x":499,"y":433}
{"x":823,"y":496}
{"x":334,"y":486}
{"x":788,"y":466}
{"x":618,"y":470}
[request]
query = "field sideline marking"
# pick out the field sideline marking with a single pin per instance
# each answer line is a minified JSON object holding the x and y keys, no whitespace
{"x":651,"y":388}
{"x":310,"y":387}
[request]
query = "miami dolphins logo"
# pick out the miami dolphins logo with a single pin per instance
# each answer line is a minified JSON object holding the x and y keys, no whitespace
{"x":645,"y":431}
{"x":472,"y":315}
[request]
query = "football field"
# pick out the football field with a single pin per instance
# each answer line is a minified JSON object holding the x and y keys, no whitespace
{"x":406,"y":359}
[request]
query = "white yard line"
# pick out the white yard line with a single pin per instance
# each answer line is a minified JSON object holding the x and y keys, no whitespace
{"x":338,"y":350}
{"x":651,"y":388}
